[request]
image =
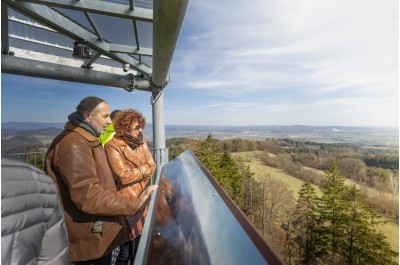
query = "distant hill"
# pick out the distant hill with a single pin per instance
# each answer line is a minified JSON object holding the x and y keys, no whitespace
{"x":25,"y":126}
{"x":15,"y":140}
{"x":51,"y":131}
{"x":297,"y":129}
{"x":42,"y":133}
{"x":321,"y":134}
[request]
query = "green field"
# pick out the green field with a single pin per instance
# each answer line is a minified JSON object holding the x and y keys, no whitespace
{"x":390,"y":229}
{"x":256,"y":166}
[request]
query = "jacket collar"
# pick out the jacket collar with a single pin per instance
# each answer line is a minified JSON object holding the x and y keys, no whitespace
{"x":118,"y":141}
{"x":85,"y":134}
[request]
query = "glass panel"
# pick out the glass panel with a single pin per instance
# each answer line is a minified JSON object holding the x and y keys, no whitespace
{"x":192,"y":221}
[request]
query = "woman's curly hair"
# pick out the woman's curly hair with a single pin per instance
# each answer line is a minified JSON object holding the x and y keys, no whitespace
{"x":124,"y":120}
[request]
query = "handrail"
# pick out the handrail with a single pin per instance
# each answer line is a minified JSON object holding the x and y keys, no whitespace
{"x":159,"y":154}
{"x":28,"y":158}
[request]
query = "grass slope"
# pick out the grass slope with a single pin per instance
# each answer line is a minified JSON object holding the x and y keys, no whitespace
{"x":390,"y":229}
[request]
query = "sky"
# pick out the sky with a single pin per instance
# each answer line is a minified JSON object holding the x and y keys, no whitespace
{"x":259,"y":62}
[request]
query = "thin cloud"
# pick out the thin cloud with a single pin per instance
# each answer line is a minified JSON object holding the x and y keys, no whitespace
{"x":301,"y":51}
{"x":205,"y":84}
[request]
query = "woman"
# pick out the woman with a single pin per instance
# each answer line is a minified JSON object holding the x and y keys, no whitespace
{"x":132,"y":166}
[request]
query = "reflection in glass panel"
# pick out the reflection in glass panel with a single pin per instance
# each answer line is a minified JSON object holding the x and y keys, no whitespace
{"x":191,"y":220}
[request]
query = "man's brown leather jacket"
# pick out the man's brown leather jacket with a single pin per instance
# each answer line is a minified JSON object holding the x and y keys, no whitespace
{"x":93,"y":210}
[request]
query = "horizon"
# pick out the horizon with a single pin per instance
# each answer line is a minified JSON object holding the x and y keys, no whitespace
{"x":364,"y":136}
{"x":210,"y":125}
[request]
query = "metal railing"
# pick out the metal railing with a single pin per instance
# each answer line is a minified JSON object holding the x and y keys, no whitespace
{"x":160,"y":156}
{"x":34,"y":158}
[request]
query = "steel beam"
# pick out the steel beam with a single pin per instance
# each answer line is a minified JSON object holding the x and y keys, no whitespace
{"x":62,"y":24}
{"x":74,"y":62}
{"x":13,"y":36}
{"x":29,"y":23}
{"x":5,"y":46}
{"x":89,"y":18}
{"x":20,"y":66}
{"x":100,"y":7}
{"x":131,"y":50}
{"x":168,"y":19}
{"x":88,"y":63}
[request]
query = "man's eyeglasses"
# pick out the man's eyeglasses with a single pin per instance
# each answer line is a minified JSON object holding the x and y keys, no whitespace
{"x":137,"y":128}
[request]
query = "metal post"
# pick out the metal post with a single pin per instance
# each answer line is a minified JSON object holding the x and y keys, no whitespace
{"x":160,"y":153}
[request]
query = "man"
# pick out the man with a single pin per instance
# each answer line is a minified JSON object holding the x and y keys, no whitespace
{"x":110,"y":131}
{"x":78,"y":165}
{"x":32,"y":222}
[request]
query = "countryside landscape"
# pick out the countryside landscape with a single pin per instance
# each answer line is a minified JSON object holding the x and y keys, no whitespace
{"x":270,"y":171}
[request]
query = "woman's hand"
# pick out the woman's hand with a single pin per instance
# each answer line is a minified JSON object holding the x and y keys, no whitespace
{"x":145,"y":170}
{"x":145,"y":197}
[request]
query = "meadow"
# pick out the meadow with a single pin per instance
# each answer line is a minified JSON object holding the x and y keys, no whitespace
{"x":390,"y":229}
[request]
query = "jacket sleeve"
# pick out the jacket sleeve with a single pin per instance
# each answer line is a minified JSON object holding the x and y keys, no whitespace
{"x":149,"y":161}
{"x":124,"y":174}
{"x":80,"y":175}
{"x":54,"y":249}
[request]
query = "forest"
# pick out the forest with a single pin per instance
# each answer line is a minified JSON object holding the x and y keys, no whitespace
{"x":337,"y":225}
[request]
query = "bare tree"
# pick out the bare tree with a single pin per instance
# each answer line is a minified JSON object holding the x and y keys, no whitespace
{"x":276,"y":197}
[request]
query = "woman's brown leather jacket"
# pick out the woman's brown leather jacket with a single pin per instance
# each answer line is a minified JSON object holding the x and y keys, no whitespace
{"x":132,"y":171}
